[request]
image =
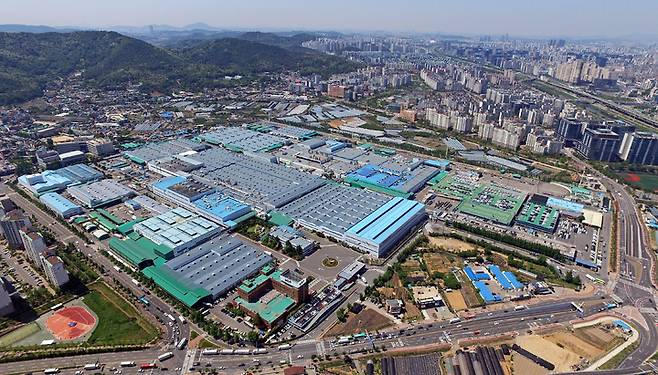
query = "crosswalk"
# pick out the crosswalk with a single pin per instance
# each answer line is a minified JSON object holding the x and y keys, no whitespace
{"x":320,"y":348}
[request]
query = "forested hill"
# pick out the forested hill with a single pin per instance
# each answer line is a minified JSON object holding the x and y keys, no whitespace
{"x":28,"y":61}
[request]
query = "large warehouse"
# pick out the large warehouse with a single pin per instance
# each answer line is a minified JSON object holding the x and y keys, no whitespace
{"x":380,"y":231}
{"x":218,"y":265}
{"x":100,"y":193}
{"x":178,"y":230}
{"x":259,"y":182}
{"x":60,"y":205}
{"x":59,"y":179}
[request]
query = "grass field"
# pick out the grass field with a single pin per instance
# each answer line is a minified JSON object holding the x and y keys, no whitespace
{"x":118,"y":321}
{"x":647,"y":182}
{"x":19,"y":334}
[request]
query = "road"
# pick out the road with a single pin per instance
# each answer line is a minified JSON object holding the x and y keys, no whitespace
{"x":157,"y":307}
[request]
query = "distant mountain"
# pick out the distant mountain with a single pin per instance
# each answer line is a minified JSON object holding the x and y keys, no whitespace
{"x":29,"y":61}
{"x":28,"y":29}
{"x":273,"y":39}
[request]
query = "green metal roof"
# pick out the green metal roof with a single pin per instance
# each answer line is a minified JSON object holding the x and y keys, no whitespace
{"x":278,"y":218}
{"x":187,"y":293}
{"x":271,"y":310}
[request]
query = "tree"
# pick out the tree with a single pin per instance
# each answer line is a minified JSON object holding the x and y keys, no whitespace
{"x":253,"y":337}
{"x":341,"y":315}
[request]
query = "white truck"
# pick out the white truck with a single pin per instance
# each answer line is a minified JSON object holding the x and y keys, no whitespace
{"x":285,"y":347}
{"x":92,"y":366}
{"x":127,"y":364}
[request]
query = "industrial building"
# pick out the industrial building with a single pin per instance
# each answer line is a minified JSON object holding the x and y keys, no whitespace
{"x":259,"y":182}
{"x":380,"y":231}
{"x":178,"y":230}
{"x":333,"y":209}
{"x":100,"y":193}
{"x":153,"y":151}
{"x":241,"y":139}
{"x":535,"y":214}
{"x":217,"y":265}
{"x":203,"y":199}
{"x":60,"y":205}
{"x":394,"y":180}
{"x":59,"y":179}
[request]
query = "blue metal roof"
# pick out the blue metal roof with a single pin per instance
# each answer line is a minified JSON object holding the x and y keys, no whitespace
{"x":386,"y":220}
{"x":485,"y":292}
{"x":58,"y":202}
{"x":168,"y":182}
{"x":221,"y":206}
{"x":475,"y":276}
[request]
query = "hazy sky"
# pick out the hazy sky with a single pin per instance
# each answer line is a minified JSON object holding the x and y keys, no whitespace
{"x":515,"y":17}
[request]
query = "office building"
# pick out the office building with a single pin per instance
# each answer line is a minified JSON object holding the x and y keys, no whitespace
{"x":639,"y":148}
{"x":600,"y":144}
{"x":569,"y":131}
{"x":10,"y":226}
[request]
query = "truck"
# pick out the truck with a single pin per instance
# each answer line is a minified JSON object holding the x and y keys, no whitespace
{"x":49,"y":371}
{"x":170,"y":317}
{"x":147,"y":366}
{"x":344,"y":340}
{"x":181,"y":344}
{"x":92,"y":366}
{"x":454,"y":320}
{"x":127,"y":364}
{"x":209,"y":352}
{"x":165,"y":356}
{"x":285,"y":347}
{"x":116,"y":268}
{"x":182,"y":319}
{"x":134,"y":282}
{"x":520,"y":307}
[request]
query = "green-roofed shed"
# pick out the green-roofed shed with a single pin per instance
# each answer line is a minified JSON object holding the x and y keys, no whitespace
{"x":185,"y":292}
{"x":280,"y":219}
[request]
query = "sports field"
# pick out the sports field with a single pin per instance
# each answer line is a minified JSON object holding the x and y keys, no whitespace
{"x":495,"y":203}
{"x":643,"y":181}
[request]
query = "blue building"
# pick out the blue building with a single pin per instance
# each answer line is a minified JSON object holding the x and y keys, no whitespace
{"x":60,"y":205}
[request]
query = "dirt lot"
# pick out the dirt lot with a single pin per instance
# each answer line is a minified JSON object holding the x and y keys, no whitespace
{"x":567,"y":340}
{"x":451,"y":244}
{"x":411,"y":311}
{"x":441,"y":262}
{"x":367,"y":319}
{"x":598,"y":337}
{"x":525,"y":366}
{"x":411,"y":265}
{"x":565,"y":349}
{"x":563,"y":359}
{"x":456,"y":300}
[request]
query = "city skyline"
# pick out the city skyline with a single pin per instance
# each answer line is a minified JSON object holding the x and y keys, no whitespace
{"x":558,"y":18}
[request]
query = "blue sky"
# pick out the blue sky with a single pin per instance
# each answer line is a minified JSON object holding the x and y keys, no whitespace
{"x":514,"y":17}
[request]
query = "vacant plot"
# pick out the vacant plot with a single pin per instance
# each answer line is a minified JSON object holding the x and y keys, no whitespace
{"x":366,"y":319}
{"x":438,"y":262}
{"x":118,"y":321}
{"x":19,"y":334}
{"x":411,"y":265}
{"x":451,"y":244}
{"x":568,"y":341}
{"x":525,"y":366}
{"x":562,"y":358}
{"x":456,"y":300}
{"x":599,"y":338}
